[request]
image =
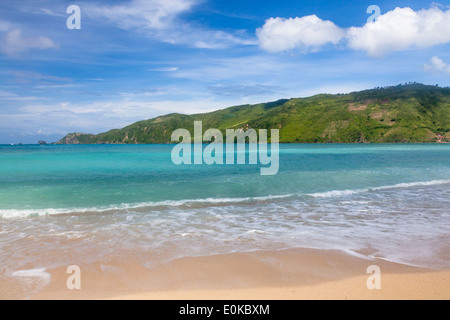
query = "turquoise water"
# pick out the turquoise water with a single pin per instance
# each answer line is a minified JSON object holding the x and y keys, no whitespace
{"x":62,"y":205}
{"x":40,"y":180}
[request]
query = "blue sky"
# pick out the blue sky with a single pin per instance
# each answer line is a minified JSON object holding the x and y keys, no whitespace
{"x":138,"y":59}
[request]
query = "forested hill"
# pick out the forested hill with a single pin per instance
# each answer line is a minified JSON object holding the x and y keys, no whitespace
{"x":404,"y":113}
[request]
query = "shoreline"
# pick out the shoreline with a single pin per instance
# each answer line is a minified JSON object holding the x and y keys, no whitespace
{"x":174,"y":143}
{"x":294,"y":274}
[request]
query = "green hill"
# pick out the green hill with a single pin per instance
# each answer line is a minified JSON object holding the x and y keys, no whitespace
{"x":404,"y":113}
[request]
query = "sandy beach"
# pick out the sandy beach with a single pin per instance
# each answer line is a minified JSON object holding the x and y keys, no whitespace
{"x":196,"y":150}
{"x":269,"y":275}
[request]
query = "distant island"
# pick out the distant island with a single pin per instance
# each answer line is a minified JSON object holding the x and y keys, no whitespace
{"x":408,"y":113}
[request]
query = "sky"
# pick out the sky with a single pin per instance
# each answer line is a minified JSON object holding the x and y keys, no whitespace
{"x":132,"y":60}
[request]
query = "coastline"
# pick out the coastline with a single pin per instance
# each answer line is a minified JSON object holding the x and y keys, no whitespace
{"x":127,"y":217}
{"x":174,"y":143}
{"x":294,"y":274}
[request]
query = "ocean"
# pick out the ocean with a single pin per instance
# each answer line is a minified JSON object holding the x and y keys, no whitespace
{"x":61,"y":205}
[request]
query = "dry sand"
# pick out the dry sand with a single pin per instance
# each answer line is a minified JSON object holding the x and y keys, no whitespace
{"x":268,"y":275}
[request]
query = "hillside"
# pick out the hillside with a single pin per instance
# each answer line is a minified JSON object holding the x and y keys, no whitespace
{"x":404,"y":113}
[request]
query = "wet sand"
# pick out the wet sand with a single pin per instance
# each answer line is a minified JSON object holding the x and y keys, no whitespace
{"x":269,"y":275}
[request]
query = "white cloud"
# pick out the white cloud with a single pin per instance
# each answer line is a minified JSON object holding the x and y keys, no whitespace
{"x":164,"y":69}
{"x":396,"y":30}
{"x":229,"y":69}
{"x":306,"y":33}
{"x":212,"y":39}
{"x":21,"y":76}
{"x":437,"y":65}
{"x":155,"y":14}
{"x":49,"y":12}
{"x":14,"y":43}
{"x":98,"y":116}
{"x":401,"y":29}
{"x":128,"y":109}
{"x":160,"y":19}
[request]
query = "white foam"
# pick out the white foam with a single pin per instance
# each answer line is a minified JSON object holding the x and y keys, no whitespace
{"x":336,"y":193}
{"x":414,"y":184}
{"x":12,"y":213}
{"x":39,"y":274}
{"x":110,"y":269}
{"x":256,"y":232}
{"x":190,"y":234}
{"x":340,"y":193}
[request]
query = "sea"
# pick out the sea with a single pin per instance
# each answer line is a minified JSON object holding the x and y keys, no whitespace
{"x":88,"y":203}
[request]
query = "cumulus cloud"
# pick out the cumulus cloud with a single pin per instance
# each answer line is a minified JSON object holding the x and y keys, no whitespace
{"x":437,"y":65}
{"x":396,"y":30}
{"x":401,"y":29}
{"x":14,"y":43}
{"x":306,"y":33}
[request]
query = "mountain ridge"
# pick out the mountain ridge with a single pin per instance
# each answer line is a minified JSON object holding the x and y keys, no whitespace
{"x":405,"y":113}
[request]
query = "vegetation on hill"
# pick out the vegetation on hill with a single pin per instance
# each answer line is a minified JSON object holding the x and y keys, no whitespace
{"x":404,"y":113}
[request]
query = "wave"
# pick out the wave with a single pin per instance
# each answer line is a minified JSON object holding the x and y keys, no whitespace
{"x":198,"y":203}
{"x":341,"y":193}
{"x":168,"y":204}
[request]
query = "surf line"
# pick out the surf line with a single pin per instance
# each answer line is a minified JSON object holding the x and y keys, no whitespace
{"x":213,"y":152}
